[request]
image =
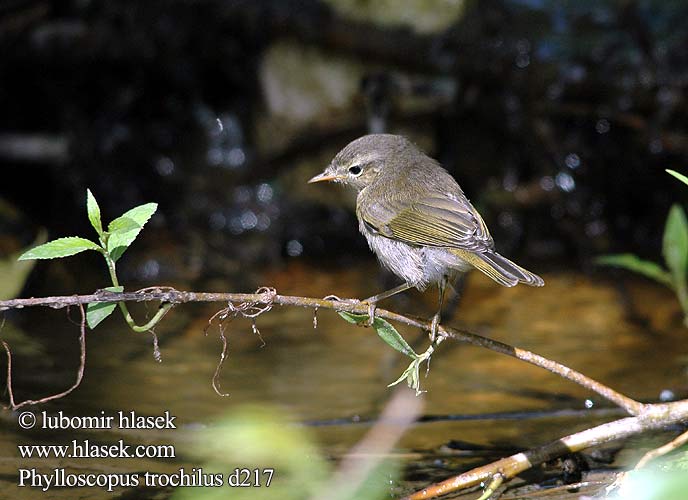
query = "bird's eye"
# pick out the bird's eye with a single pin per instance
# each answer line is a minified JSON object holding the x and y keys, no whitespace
{"x":355,"y":170}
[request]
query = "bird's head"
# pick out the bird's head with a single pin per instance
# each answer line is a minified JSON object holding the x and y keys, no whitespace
{"x":362,"y":161}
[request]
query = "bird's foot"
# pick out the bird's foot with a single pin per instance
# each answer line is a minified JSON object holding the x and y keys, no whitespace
{"x":339,"y":299}
{"x":371,"y":313}
{"x":434,"y":327}
{"x":371,"y":306}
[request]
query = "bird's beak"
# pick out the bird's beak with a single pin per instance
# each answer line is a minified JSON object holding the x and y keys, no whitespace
{"x":327,"y":175}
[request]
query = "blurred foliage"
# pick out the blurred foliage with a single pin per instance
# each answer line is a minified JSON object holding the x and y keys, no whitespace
{"x":14,"y":273}
{"x":257,"y":438}
{"x":664,"y":479}
{"x":675,"y":252}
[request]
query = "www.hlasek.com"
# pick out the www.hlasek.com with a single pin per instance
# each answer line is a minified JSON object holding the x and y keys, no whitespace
{"x":76,"y":449}
{"x":87,"y":449}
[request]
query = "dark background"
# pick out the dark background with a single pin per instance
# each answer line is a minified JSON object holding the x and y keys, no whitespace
{"x":558,"y":119}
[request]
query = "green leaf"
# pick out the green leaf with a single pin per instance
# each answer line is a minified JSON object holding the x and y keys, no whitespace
{"x":93,"y":211}
{"x":390,"y":335}
{"x":356,"y":319}
{"x":412,"y":373}
{"x":122,"y":225}
{"x":124,"y":229}
{"x":98,"y":311}
{"x":634,"y":263}
{"x":385,"y":330}
{"x":675,"y":245}
{"x":680,"y":177}
{"x":63,"y":247}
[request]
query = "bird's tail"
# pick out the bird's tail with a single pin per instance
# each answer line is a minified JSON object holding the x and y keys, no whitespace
{"x":501,"y":269}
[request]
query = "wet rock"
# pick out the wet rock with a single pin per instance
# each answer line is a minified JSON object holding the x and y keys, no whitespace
{"x":303,"y":89}
{"x":424,"y":16}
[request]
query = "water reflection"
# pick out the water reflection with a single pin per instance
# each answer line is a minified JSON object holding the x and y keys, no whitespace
{"x":340,"y":372}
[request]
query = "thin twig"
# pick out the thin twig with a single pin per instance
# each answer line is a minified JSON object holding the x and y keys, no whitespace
{"x":632,"y":406}
{"x":79,"y":374}
{"x":250,"y":309}
{"x":254,"y":304}
{"x":621,"y":482}
{"x":223,"y":357}
{"x":496,"y":483}
{"x":157,"y":355}
{"x":223,"y":316}
{"x":645,"y":416}
{"x":662,"y":450}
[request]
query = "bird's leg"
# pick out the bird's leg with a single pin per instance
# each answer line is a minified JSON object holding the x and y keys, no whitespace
{"x":385,"y":295}
{"x":442,"y":286}
{"x":372,"y":301}
{"x":371,"y":313}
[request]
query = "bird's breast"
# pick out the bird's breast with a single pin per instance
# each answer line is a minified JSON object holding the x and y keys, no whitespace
{"x":419,"y":266}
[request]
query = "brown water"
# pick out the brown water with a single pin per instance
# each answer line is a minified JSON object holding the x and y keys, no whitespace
{"x":339,"y":371}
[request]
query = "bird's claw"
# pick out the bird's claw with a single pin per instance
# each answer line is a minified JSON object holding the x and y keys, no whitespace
{"x":371,"y":313}
{"x":371,"y":306}
{"x":434,"y":327}
{"x":339,"y":299}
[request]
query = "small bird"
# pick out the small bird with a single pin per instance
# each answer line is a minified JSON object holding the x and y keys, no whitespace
{"x":416,"y":218}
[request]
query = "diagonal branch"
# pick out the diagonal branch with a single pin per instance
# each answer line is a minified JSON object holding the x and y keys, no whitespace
{"x":644,"y":416}
{"x":268,"y":297}
{"x":653,"y":417}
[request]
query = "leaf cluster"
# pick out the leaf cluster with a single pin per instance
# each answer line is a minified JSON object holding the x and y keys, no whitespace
{"x":674,"y":251}
{"x":393,"y":338}
{"x":111,"y":244}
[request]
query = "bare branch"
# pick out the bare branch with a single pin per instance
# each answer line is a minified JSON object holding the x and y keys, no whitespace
{"x":653,"y":417}
{"x":251,"y":305}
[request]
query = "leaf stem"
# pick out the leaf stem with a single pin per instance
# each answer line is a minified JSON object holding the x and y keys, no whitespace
{"x":164,"y":308}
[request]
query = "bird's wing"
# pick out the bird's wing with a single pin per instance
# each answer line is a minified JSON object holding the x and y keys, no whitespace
{"x":431,"y":221}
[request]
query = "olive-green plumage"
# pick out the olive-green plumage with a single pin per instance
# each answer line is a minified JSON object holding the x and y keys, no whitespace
{"x":415,"y":216}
